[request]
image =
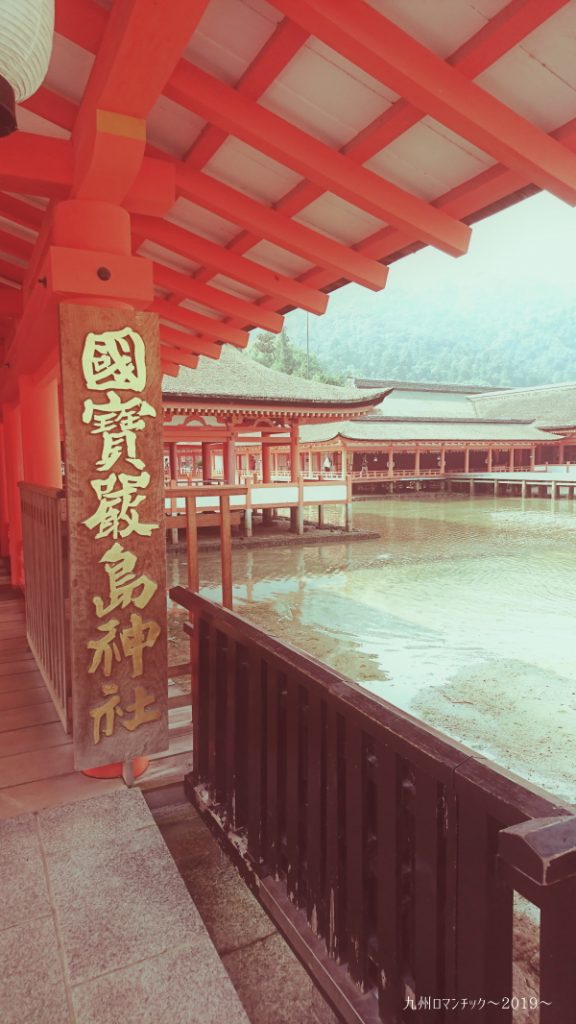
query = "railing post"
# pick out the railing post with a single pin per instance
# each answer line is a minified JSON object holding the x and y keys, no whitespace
{"x":226,"y":550}
{"x":538,"y":859}
{"x":192,"y":543}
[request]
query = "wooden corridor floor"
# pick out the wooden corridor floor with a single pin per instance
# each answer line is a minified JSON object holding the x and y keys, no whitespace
{"x":36,"y":755}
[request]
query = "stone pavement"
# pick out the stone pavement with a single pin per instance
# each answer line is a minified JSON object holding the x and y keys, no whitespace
{"x":97,"y":926}
{"x":270,"y":980}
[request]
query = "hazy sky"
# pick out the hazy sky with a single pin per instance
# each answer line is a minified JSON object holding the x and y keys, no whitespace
{"x":527,"y":248}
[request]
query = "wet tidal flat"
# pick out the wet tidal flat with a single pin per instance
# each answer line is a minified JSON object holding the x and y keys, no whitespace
{"x":463,"y":613}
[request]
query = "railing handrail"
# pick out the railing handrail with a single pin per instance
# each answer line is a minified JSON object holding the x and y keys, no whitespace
{"x":47,"y":492}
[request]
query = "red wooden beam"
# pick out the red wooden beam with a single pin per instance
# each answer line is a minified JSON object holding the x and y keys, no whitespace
{"x":197,"y":322}
{"x":11,"y":271}
{"x":137,"y":53}
{"x":169,"y":369}
{"x":176,"y":355}
{"x":196,"y":248}
{"x":188,"y":343}
{"x":388,"y":53}
{"x":214,"y":298}
{"x":141,"y":44}
{"x":304,"y":241}
{"x":11,"y":245}
{"x":36,"y":165}
{"x":11,"y":302}
{"x":199,"y":91}
{"x":21,"y":213}
{"x":52,"y":107}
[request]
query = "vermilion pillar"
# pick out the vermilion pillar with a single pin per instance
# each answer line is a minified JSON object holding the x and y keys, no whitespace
{"x":266,"y":464}
{"x":4,"y":512}
{"x":14,"y":473}
{"x":230,"y":462}
{"x":206,"y":463}
{"x":40,"y":418}
{"x":173,"y":457}
{"x":295,"y":471}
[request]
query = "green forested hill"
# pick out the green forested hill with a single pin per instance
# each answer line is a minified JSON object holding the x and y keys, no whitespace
{"x":486,"y":336}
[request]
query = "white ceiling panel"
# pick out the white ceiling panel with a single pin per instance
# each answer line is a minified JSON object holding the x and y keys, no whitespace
{"x":229,"y":37}
{"x":279,"y":260}
{"x":173,"y":128}
{"x":554,"y":44}
{"x":195,"y":218}
{"x":428,"y":160}
{"x":227,"y":284}
{"x":326,"y":96}
{"x":252,"y":172}
{"x":69,"y":68}
{"x":159,"y":254}
{"x":441,"y":25}
{"x":18,"y":230}
{"x":195,"y":307}
{"x":531,"y":89}
{"x":338,"y":219}
{"x":30,"y":122}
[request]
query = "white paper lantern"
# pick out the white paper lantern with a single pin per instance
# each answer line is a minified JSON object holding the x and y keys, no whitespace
{"x":26,"y":33}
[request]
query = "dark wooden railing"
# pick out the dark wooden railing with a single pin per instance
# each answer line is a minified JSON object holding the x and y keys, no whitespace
{"x":387,"y":854}
{"x":46,"y":583}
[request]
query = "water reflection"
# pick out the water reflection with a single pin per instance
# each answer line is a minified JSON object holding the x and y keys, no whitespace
{"x":461,"y":613}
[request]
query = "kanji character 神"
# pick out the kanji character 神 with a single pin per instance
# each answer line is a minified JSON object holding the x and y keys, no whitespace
{"x":117,"y":422}
{"x":125,"y":586}
{"x":119,"y":506}
{"x":114,"y":359}
{"x":134,"y":640}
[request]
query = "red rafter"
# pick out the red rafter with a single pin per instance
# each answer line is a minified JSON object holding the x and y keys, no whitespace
{"x":189,"y":343}
{"x":199,"y":91}
{"x":500,"y":34}
{"x":214,"y":298}
{"x":21,"y":213}
{"x":388,"y":53}
{"x":254,"y":275}
{"x":197,"y":322}
{"x":298,"y":238}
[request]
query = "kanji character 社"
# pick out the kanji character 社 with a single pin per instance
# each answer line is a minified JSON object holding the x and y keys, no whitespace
{"x":119,"y":506}
{"x":142,"y":701}
{"x":136,"y":638}
{"x":114,"y":359}
{"x":125,"y":586}
{"x":118,"y":422}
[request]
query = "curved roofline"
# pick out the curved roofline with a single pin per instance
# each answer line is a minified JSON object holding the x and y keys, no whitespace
{"x":173,"y":397}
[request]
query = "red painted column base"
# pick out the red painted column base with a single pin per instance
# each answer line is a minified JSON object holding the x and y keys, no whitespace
{"x":114,"y":771}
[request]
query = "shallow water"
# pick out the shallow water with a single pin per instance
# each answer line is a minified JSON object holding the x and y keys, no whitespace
{"x":463,"y":613}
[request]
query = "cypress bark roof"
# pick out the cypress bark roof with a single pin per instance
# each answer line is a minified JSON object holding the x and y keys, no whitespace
{"x":234,"y":377}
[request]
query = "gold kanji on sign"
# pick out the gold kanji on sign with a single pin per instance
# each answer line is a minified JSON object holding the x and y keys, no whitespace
{"x":133,"y":640}
{"x":114,"y":359}
{"x":125,"y":586}
{"x":104,"y":715}
{"x":118,"y":422}
{"x":117,"y":512}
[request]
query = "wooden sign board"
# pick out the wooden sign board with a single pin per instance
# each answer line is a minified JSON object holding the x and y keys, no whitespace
{"x":112,"y":402}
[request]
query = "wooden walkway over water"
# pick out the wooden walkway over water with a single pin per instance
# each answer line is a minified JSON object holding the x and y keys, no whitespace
{"x":36,"y":754}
